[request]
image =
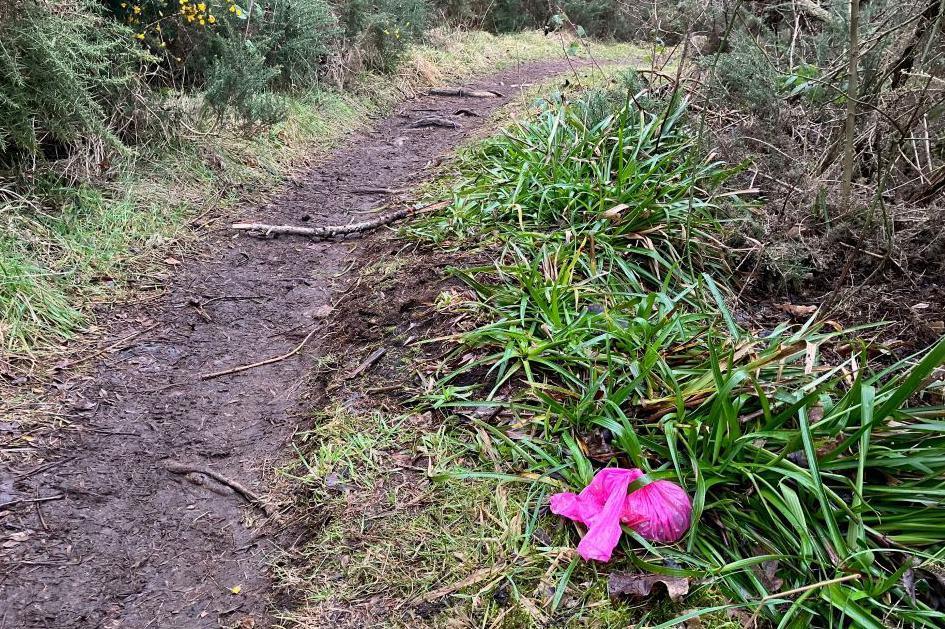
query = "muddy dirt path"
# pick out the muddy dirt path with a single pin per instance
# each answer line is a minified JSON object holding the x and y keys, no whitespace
{"x":104,"y":535}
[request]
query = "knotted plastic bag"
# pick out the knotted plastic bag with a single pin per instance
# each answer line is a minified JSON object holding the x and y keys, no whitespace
{"x":659,"y":511}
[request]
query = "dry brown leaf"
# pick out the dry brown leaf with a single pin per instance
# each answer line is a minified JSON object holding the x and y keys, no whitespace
{"x":638,"y":587}
{"x":614,"y":212}
{"x":798,"y":311}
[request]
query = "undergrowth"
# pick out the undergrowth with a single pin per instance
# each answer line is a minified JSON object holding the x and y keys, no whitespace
{"x":604,"y":336}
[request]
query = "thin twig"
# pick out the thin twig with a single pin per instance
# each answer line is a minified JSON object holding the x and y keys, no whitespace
{"x":106,"y":350}
{"x":6,"y":505}
{"x":261,"y":363}
{"x":378,"y":190}
{"x":463,"y":92}
{"x":368,"y":362}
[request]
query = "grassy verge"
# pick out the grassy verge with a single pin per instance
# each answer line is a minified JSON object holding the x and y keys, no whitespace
{"x":72,"y":247}
{"x":401,"y":541}
{"x":601,"y":335}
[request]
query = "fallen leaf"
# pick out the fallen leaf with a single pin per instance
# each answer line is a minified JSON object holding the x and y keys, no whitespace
{"x":638,"y":587}
{"x":236,"y":589}
{"x":798,"y":311}
{"x":615,"y":211}
{"x":768,"y":571}
{"x":322,"y":312}
{"x":20,"y":536}
{"x":172,"y":261}
{"x":741,"y":617}
{"x":908,"y":582}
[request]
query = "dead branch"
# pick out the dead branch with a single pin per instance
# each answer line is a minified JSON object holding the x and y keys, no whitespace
{"x":176,"y":467}
{"x":378,"y":190}
{"x":337,"y":230}
{"x":434,"y":121}
{"x":368,"y":362}
{"x":269,"y":361}
{"x":464,"y":93}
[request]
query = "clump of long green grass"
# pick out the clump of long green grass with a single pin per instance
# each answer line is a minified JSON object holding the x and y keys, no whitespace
{"x":625,"y":189}
{"x":818,"y":483}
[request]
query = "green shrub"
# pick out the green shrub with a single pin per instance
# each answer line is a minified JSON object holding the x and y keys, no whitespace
{"x":379,"y":31}
{"x":743,"y":75}
{"x":239,"y":80}
{"x":65,"y":76}
{"x":599,"y":18}
{"x":298,"y":35}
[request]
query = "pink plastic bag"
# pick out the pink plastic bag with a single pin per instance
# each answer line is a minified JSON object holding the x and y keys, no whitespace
{"x":659,"y":511}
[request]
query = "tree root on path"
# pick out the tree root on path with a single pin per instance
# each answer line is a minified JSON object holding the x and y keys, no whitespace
{"x":463,"y":92}
{"x":176,"y":467}
{"x":337,"y":230}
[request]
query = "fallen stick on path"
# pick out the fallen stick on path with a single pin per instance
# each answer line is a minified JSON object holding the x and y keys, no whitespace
{"x":268,"y":361}
{"x":463,"y":92}
{"x":378,"y":191}
{"x":435,"y":121}
{"x":337,"y":230}
{"x":176,"y":467}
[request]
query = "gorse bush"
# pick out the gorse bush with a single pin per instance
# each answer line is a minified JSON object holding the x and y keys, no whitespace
{"x":298,"y":37}
{"x":65,"y":75}
{"x":70,"y":73}
{"x":744,"y":77}
{"x":378,"y":31}
{"x":816,"y":481}
{"x":239,"y":81}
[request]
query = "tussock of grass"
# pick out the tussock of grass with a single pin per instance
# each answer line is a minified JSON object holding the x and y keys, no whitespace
{"x":605,"y":337}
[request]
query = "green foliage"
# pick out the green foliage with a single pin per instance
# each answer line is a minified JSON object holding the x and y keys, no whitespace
{"x":810,"y":471}
{"x":64,"y":76}
{"x":50,"y":263}
{"x":299,"y":35}
{"x":599,"y":18}
{"x":239,"y":80}
{"x":602,"y":18}
{"x":380,"y":30}
{"x":804,"y":81}
{"x":743,"y":76}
